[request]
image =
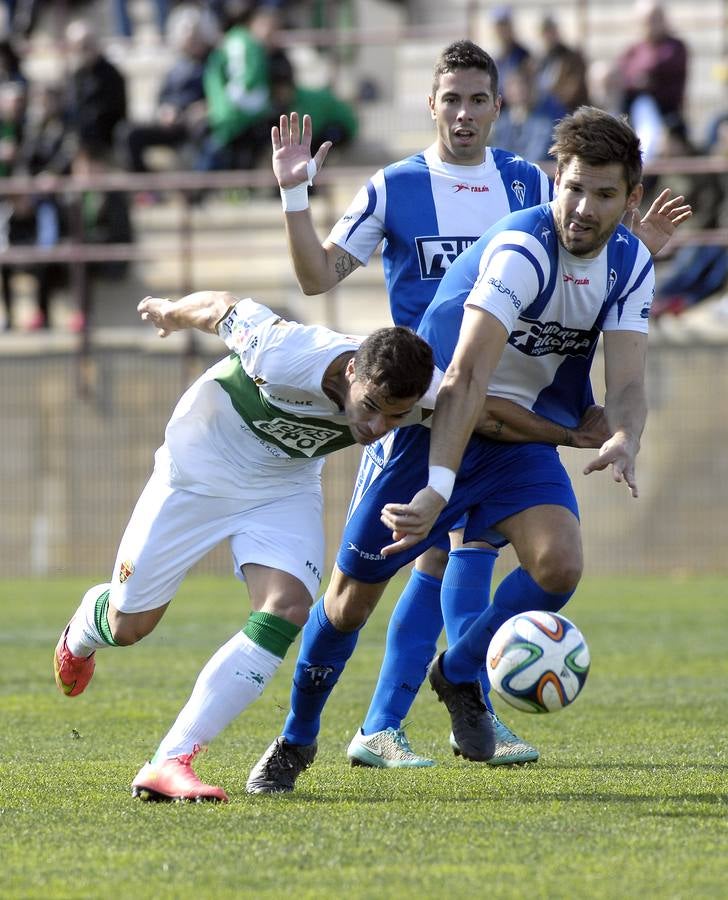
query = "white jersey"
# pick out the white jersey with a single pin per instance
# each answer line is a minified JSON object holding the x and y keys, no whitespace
{"x":258,"y":422}
{"x":427,"y":212}
{"x":553,"y":305}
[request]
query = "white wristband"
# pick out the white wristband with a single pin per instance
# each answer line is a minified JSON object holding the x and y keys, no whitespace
{"x":295,"y":199}
{"x":442,"y":480}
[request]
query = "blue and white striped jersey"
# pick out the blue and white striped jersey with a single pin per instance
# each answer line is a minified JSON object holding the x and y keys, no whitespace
{"x":553,"y":305}
{"x":427,"y":212}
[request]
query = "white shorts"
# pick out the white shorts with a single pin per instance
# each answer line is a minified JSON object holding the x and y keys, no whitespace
{"x":171,"y":529}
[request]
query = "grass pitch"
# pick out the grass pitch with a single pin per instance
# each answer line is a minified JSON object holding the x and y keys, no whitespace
{"x":630,"y":798}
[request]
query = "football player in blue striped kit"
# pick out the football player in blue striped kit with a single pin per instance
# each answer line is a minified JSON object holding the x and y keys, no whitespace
{"x":518,"y":315}
{"x":425,"y":209}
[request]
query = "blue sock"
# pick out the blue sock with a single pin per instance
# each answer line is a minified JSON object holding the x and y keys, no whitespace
{"x":412,"y":635}
{"x":324,"y":653}
{"x":518,"y":592}
{"x":465,"y":594}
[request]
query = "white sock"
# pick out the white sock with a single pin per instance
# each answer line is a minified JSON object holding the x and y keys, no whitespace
{"x":83,"y":636}
{"x":230,"y":681}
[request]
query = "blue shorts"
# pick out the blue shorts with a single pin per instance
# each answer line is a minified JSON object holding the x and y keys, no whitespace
{"x":372,"y":461}
{"x":495,"y":481}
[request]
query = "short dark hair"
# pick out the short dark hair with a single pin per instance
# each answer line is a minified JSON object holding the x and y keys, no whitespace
{"x":397,"y":360}
{"x":599,"y":138}
{"x":464,"y":55}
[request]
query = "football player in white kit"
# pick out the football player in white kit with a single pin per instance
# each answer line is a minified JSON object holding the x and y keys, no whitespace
{"x":241,"y":461}
{"x":424,"y":210}
{"x":534,"y":294}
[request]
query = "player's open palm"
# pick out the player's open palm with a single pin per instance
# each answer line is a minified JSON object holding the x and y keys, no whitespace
{"x":664,"y":216}
{"x":292,"y":160}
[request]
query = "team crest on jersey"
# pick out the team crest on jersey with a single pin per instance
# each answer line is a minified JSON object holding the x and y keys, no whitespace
{"x":126,"y":570}
{"x":298,"y":436}
{"x":436,"y":254}
{"x":519,"y":189}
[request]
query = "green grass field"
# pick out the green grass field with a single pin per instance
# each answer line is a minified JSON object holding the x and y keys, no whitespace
{"x":630,"y":798}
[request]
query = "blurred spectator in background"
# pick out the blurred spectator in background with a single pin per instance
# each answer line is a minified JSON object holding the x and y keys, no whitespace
{"x":28,"y":226}
{"x":525,"y":125}
{"x":10,"y":67}
{"x":12,"y":209}
{"x":97,"y":217}
{"x":696,"y":271}
{"x":561,"y":71}
{"x":20,"y":16}
{"x":124,"y":23}
{"x":95,"y":98}
{"x":36,"y":219}
{"x":605,"y":86}
{"x":237,"y":87}
{"x":181,"y":114}
{"x":653,"y":75}
{"x":333,"y":119}
{"x":510,"y":53}
{"x":45,"y":142}
{"x":13,"y":106}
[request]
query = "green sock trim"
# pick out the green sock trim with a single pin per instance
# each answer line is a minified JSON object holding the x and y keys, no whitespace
{"x":271,"y":632}
{"x":101,"y":619}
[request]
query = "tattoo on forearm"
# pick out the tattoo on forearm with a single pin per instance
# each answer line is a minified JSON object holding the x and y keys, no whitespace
{"x":497,"y":427}
{"x":345,"y":265}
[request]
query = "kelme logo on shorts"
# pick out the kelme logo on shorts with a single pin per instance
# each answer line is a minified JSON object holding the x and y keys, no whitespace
{"x":306,"y":439}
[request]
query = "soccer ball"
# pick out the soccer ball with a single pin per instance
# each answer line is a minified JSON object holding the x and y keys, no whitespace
{"x":538,"y":661}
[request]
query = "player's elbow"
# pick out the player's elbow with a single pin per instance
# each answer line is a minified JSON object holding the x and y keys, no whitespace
{"x":311,"y":289}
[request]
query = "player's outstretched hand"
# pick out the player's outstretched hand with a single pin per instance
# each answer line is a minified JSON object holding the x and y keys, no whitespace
{"x":411,"y":522}
{"x":161,"y":313}
{"x":292,"y":151}
{"x":200,"y":309}
{"x":592,"y":430}
{"x":657,"y":227}
{"x":619,"y":452}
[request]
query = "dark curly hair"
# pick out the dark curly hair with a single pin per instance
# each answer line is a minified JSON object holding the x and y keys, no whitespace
{"x":598,"y":138}
{"x":464,"y":55}
{"x":397,"y":360}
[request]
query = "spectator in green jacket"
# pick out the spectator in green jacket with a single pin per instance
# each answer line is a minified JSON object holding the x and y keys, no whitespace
{"x":237,"y":88}
{"x":333,"y":119}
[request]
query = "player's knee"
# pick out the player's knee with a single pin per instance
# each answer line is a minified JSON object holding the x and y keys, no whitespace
{"x":347,"y":612}
{"x":558,"y":572}
{"x":129,"y":628}
{"x":349,"y":603}
{"x":433,"y":562}
{"x":294,"y":607}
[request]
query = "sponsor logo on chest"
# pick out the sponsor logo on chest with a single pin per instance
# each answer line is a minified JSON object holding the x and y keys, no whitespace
{"x":552,"y":337}
{"x":472,"y":188}
{"x":298,"y":436}
{"x":437,"y":253}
